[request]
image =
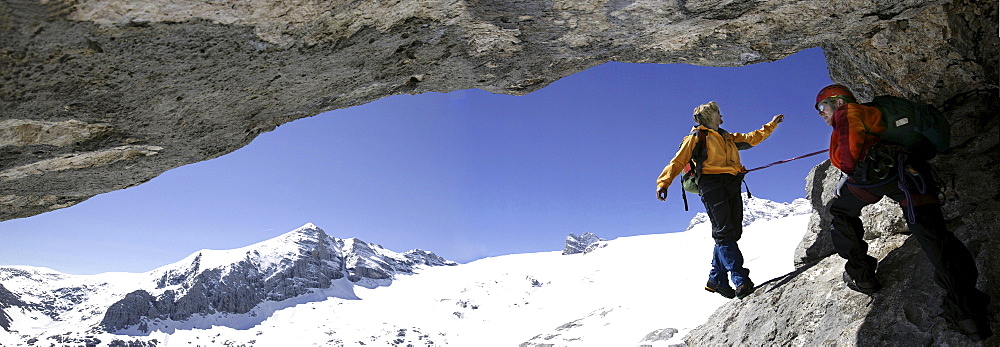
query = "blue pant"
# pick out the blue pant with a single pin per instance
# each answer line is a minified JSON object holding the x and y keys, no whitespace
{"x":721,"y":195}
{"x":726,"y":259}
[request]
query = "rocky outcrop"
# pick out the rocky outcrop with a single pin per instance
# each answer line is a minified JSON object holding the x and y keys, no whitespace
{"x":100,"y":95}
{"x":582,"y":244}
{"x":880,"y":220}
{"x":7,"y":301}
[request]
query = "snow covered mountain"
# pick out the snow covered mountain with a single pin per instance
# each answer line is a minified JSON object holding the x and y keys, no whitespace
{"x":208,"y":287}
{"x":306,"y":288}
{"x":756,"y":209}
{"x":236,"y":281}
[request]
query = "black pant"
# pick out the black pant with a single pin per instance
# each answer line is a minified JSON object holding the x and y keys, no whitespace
{"x":954,"y":267}
{"x":724,"y":205}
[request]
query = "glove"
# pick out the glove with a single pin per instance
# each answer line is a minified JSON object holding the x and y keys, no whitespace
{"x":661,"y":193}
{"x":840,"y":185}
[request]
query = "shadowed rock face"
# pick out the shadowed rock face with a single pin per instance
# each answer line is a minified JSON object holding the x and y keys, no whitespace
{"x":100,"y":95}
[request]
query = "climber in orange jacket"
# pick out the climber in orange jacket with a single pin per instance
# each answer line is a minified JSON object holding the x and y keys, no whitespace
{"x":874,"y":168}
{"x":719,"y":187}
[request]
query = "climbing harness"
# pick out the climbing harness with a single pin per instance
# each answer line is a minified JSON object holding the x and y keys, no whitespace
{"x":910,"y":178}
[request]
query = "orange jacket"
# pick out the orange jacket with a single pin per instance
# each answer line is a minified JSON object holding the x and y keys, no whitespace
{"x":855,"y":129}
{"x":723,"y":152}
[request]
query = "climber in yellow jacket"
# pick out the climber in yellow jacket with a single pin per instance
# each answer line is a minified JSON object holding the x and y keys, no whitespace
{"x":719,"y":187}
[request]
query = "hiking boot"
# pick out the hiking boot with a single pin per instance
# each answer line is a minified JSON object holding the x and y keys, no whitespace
{"x":745,"y":289}
{"x":723,"y":289}
{"x":867,"y":287}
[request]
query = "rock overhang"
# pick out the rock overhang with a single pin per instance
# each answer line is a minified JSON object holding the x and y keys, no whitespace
{"x":147,"y":86}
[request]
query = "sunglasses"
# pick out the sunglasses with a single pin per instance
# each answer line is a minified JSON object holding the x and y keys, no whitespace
{"x":823,"y":105}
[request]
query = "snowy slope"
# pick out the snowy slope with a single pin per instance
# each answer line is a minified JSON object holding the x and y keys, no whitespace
{"x":616,"y":295}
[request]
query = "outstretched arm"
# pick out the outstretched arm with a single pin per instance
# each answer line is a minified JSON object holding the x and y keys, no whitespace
{"x":757,"y":136}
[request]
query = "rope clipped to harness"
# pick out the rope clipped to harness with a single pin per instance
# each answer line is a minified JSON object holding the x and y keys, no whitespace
{"x":908,"y":177}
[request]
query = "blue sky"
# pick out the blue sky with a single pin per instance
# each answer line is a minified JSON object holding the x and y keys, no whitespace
{"x":466,"y":174}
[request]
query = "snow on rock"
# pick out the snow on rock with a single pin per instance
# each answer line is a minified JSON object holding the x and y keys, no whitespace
{"x":585,"y":243}
{"x":756,"y":209}
{"x":7,"y":301}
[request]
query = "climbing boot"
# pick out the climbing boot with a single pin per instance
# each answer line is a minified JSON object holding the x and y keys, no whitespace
{"x":723,"y":289}
{"x":866,"y":287}
{"x":745,"y":289}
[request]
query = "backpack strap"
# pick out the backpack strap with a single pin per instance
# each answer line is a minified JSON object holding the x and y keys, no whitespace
{"x":698,"y":157}
{"x":700,"y":152}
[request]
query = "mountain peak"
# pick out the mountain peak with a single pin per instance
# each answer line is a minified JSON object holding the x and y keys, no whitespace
{"x":585,"y":243}
{"x":308,"y":226}
{"x":757,"y":209}
{"x":309,"y":230}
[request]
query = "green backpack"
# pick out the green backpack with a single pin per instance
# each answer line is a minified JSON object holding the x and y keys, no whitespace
{"x":692,"y":171}
{"x":920,"y":128}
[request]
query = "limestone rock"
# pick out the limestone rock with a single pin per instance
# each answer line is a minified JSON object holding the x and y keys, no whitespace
{"x":880,"y":220}
{"x":816,"y":244}
{"x":177,"y":82}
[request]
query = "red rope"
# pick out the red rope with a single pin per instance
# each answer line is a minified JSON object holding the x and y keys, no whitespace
{"x":788,"y":160}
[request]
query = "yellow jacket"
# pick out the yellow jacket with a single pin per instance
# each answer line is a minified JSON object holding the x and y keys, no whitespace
{"x":723,"y":151}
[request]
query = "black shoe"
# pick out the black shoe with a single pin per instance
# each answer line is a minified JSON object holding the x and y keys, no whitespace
{"x":723,"y":289}
{"x":867,"y":287}
{"x":745,"y":289}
